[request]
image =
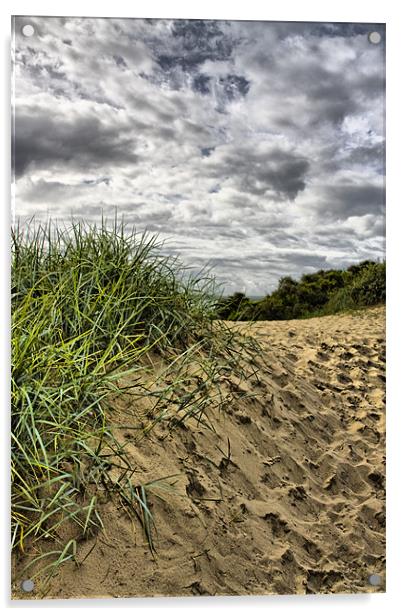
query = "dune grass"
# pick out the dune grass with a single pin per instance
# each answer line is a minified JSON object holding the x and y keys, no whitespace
{"x":90,"y":306}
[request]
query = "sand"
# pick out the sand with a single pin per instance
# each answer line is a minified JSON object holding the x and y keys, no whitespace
{"x":286,"y":497}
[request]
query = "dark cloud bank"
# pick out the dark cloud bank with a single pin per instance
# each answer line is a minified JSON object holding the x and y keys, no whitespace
{"x":254,"y":147}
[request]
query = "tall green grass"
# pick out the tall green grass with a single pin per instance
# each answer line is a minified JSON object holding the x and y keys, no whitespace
{"x":92,"y":307}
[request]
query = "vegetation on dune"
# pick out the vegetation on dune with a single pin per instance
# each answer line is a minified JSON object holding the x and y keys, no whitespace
{"x":94,"y":309}
{"x":90,"y":307}
{"x":321,"y":293}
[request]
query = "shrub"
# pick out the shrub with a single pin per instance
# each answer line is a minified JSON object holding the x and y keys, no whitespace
{"x":322,"y":292}
{"x":370,"y":286}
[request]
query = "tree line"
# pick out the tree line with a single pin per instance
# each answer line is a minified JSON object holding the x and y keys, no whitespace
{"x":320,"y":293}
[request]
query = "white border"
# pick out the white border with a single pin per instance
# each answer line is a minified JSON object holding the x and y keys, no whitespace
{"x":286,"y":10}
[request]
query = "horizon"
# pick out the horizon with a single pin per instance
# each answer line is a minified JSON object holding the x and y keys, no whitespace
{"x":186,"y":270}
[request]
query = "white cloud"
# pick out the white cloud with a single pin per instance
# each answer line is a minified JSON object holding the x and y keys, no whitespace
{"x":257,"y":146}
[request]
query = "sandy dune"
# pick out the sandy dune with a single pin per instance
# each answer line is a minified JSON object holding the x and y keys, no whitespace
{"x":286,"y":497}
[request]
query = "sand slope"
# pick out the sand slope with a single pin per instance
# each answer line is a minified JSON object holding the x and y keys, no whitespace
{"x":286,"y":497}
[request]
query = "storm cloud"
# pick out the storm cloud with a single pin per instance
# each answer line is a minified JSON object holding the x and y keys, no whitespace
{"x":45,"y":140}
{"x":253,"y":147}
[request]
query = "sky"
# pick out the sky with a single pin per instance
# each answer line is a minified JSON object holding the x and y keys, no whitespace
{"x":252,"y":148}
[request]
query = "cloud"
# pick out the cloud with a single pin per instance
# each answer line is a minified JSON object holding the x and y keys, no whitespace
{"x":350,"y":200}
{"x":44,"y":139}
{"x":259,"y":169}
{"x":257,"y":147}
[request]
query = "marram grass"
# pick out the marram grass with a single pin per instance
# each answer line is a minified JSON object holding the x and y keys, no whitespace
{"x":89,"y":305}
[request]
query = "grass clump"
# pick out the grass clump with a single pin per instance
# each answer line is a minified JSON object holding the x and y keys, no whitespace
{"x":90,"y":306}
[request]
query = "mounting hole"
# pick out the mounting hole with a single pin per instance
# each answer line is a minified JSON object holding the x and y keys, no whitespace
{"x":27,"y":585}
{"x":28,"y":30}
{"x":374,"y":579}
{"x":374,"y":37}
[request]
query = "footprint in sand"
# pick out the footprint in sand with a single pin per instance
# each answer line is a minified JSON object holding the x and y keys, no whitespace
{"x":194,"y":487}
{"x":312,"y":549}
{"x":279,"y":528}
{"x":281,"y":378}
{"x":322,"y":581}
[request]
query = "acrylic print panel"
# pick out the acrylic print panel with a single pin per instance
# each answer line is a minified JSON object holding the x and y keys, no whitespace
{"x":198,"y":303}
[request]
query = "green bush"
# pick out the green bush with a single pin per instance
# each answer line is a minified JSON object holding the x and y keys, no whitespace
{"x":322,"y":292}
{"x":236,"y":307}
{"x":369,"y":288}
{"x":340,"y":300}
